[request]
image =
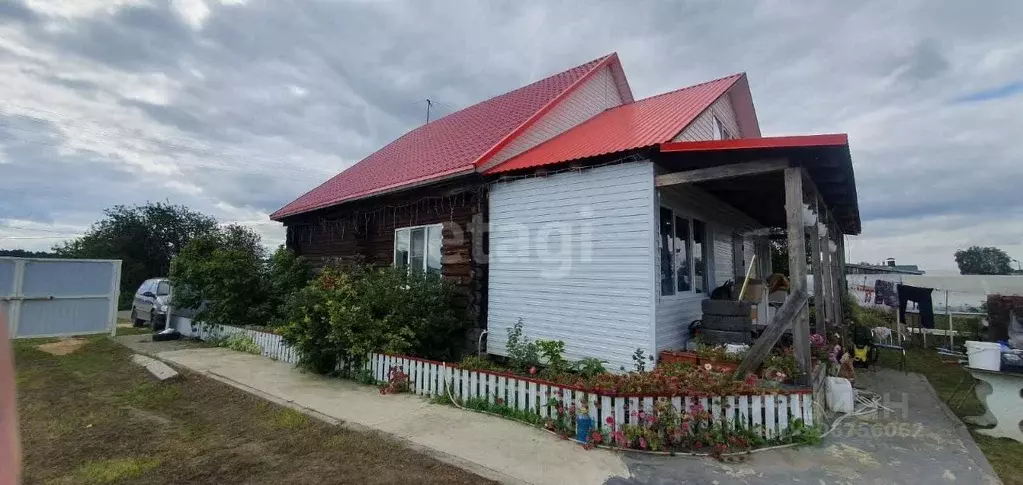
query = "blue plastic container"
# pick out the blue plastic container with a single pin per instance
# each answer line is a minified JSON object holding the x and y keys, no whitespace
{"x":583,"y":423}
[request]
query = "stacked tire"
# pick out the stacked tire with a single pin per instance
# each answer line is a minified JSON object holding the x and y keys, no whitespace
{"x":727,"y":322}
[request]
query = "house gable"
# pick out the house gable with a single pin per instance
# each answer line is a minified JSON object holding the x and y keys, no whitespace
{"x":734,"y":109}
{"x":605,"y":89}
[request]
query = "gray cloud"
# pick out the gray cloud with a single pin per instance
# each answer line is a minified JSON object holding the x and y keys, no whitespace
{"x":236,"y":108}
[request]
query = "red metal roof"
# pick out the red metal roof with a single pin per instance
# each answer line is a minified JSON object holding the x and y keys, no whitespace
{"x":451,"y":145}
{"x":799,"y":141}
{"x":644,"y":123}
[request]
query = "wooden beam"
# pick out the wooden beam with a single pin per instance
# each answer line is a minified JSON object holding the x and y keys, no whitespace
{"x":829,"y":279}
{"x":797,"y":264}
{"x":781,"y":322}
{"x":819,"y":297}
{"x":721,"y":172}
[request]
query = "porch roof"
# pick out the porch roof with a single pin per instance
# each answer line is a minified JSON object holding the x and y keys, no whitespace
{"x":825,"y":158}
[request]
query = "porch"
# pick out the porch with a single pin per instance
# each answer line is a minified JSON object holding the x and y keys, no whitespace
{"x":799,"y":191}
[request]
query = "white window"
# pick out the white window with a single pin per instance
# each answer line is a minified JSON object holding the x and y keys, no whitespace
{"x":683,"y":247}
{"x":418,"y":248}
{"x":720,"y":132}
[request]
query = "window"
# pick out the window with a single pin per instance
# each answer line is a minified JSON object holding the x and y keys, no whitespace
{"x":683,"y":247}
{"x":418,"y":248}
{"x":683,"y":257}
{"x":701,"y":246}
{"x":665,"y":242}
{"x":720,"y":132}
{"x":163,"y":288}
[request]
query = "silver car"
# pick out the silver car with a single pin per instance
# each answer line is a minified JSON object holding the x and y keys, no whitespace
{"x":151,"y":303}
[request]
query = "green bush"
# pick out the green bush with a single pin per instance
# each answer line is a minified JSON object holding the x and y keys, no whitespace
{"x":228,"y":278}
{"x":344,"y":315}
{"x":522,"y":353}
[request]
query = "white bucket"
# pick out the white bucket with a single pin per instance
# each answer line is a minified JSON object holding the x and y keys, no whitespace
{"x":984,"y":355}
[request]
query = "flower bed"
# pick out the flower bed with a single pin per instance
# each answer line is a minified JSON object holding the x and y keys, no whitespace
{"x":674,"y":408}
{"x":644,"y":411}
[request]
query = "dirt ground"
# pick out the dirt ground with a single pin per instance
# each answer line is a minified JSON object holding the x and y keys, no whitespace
{"x":92,"y":416}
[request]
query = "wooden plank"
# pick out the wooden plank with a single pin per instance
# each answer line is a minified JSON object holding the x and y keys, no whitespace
{"x":721,"y":172}
{"x":756,"y":412}
{"x":607,"y":409}
{"x":783,"y":413}
{"x":676,"y":402}
{"x":619,"y":403}
{"x":594,"y":406}
{"x":797,"y":265}
{"x":807,"y":409}
{"x":770,"y":419}
{"x":781,"y":322}
{"x":795,"y":409}
{"x":521,"y":403}
{"x":819,"y":298}
{"x":829,"y":282}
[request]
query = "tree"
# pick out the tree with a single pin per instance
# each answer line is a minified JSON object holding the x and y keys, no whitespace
{"x":983,"y":260}
{"x":21,"y":253}
{"x":145,"y":238}
{"x":228,"y":278}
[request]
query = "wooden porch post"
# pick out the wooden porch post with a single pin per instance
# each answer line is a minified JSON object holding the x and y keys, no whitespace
{"x":829,"y":280}
{"x":797,"y":265}
{"x":819,"y":296}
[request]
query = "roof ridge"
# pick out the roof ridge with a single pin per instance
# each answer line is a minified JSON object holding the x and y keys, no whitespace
{"x":737,"y":76}
{"x":598,"y":63}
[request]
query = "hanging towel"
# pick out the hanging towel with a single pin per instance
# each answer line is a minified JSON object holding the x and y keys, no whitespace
{"x":922,"y":297}
{"x":885,"y":294}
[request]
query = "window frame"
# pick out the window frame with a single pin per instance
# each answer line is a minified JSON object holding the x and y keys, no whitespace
{"x":706,"y":253}
{"x":426,"y":245}
{"x":721,"y":131}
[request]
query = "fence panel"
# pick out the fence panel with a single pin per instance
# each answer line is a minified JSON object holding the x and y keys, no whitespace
{"x":59,"y":297}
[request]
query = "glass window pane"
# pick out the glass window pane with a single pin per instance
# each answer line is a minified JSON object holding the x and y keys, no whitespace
{"x":401,"y":248}
{"x":163,"y":288}
{"x":665,"y":244}
{"x":433,"y":238}
{"x":700,"y":248}
{"x":417,"y":254}
{"x":683,"y":261}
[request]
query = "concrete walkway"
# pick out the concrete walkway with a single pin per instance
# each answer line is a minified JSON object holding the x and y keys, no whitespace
{"x":492,"y":447}
{"x":921,"y":443}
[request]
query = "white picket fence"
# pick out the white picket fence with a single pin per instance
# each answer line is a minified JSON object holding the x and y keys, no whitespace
{"x":273,"y":345}
{"x":772,"y":413}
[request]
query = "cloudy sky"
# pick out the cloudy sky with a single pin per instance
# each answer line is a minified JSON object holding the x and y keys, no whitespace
{"x":235,"y":108}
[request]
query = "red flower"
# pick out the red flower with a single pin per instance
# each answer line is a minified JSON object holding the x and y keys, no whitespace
{"x":610,"y":420}
{"x":532,"y":371}
{"x":642,"y":443}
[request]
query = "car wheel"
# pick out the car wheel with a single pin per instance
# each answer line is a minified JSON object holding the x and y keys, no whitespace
{"x":135,"y":320}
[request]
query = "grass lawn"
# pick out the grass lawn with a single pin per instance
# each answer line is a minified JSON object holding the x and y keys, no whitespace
{"x":94,"y":417}
{"x":1005,"y":455}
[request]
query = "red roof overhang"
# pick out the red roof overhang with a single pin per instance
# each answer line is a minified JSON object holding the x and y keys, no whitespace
{"x":826,"y":159}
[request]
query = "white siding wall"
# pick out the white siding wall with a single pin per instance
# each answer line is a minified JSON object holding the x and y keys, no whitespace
{"x":702,"y":128}
{"x":596,"y":296}
{"x":599,"y":93}
{"x":675,"y":312}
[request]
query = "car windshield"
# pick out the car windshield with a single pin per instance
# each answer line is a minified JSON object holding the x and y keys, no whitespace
{"x":163,"y":288}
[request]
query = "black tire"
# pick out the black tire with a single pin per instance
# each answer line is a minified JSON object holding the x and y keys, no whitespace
{"x":726,"y":308}
{"x":729,"y":324}
{"x":721,"y":337}
{"x":135,"y":320}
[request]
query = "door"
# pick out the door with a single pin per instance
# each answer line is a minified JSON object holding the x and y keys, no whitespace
{"x":144,"y":301}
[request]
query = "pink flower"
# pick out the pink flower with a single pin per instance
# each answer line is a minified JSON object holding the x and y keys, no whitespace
{"x":634,"y":414}
{"x":642,"y":443}
{"x":571,"y":408}
{"x":532,"y":371}
{"x":610,"y":421}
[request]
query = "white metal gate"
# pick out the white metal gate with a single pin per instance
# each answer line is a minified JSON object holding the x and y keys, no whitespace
{"x":58,"y":297}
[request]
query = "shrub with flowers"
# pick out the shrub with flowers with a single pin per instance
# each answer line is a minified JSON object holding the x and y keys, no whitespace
{"x":397,"y":381}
